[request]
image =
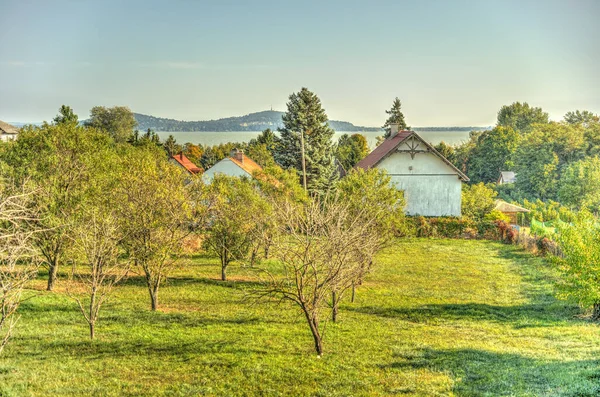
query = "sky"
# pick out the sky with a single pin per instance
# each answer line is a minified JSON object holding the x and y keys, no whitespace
{"x":452,"y":63}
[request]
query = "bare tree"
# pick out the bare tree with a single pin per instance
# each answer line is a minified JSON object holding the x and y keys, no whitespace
{"x":97,"y":267}
{"x":322,"y":247}
{"x":18,"y":263}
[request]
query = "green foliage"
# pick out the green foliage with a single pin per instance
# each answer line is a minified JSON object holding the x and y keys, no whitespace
{"x":306,"y":117}
{"x":65,"y":116}
{"x":447,"y":151}
{"x":234,"y":219}
{"x":547,"y":211}
{"x":370,"y":195}
{"x":117,"y":121}
{"x":495,"y":215}
{"x":395,"y":117}
{"x":520,"y":116}
{"x":492,"y":153}
{"x":580,"y":263}
{"x":581,"y":117}
{"x":477,"y":201}
{"x":351,"y":149}
{"x":580,"y":185}
{"x":171,"y":146}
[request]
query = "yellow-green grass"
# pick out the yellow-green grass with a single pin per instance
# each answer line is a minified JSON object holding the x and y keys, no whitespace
{"x":436,"y":317}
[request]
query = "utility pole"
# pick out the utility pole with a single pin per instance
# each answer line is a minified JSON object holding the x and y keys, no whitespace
{"x":303,"y":162}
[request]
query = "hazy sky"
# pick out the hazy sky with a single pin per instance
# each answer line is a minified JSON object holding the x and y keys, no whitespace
{"x":450,"y":62}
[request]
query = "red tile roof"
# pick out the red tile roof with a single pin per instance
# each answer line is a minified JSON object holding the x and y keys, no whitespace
{"x":247,"y":164}
{"x":388,"y":146}
{"x":186,"y":163}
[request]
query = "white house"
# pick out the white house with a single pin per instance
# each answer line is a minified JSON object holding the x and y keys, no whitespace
{"x":432,"y":185}
{"x":238,"y":164}
{"x":507,"y":177}
{"x":8,"y":132}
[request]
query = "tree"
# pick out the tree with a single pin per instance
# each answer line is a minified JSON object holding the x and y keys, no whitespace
{"x":477,"y":201}
{"x":581,"y":117}
{"x":58,"y":160}
{"x":351,"y":149}
{"x":155,"y":213}
{"x":305,"y":119}
{"x":543,"y":152}
{"x":193,"y":152}
{"x":171,"y":146}
{"x":580,"y":185}
{"x":268,"y":138}
{"x":371,"y":198}
{"x":18,"y":262}
{"x":234,"y":210}
{"x":320,"y":246}
{"x":579,"y":265}
{"x":66,"y":115}
{"x":118,"y":121}
{"x":260,"y":153}
{"x":520,"y":116}
{"x":447,"y":151}
{"x":493,"y":153}
{"x":98,"y":267}
{"x":395,"y":117}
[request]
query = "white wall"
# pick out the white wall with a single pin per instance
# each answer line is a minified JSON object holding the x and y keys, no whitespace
{"x":431,"y":187}
{"x":225,"y":166}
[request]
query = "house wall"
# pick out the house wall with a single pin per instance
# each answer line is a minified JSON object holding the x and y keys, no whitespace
{"x":226,"y":167}
{"x":431,"y":187}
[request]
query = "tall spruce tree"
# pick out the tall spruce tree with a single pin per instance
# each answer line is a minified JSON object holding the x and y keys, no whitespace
{"x":395,"y":117}
{"x":305,"y":115}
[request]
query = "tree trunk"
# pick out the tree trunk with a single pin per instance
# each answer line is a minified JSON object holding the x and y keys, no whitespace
{"x":92,"y":330}
{"x":223,"y":270}
{"x":596,"y":312}
{"x":353,"y":292}
{"x":334,"y":306}
{"x":153,"y":297}
{"x":267,"y":247}
{"x":313,"y":323}
{"x":52,"y":273}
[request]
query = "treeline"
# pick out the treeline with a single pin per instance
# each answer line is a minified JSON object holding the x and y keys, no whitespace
{"x":258,"y":121}
{"x":553,"y":161}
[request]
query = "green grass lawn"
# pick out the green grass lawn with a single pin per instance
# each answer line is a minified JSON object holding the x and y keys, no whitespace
{"x":436,"y":317}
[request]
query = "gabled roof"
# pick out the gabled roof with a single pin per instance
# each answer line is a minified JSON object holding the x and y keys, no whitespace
{"x":247,"y":164}
{"x":388,"y":147}
{"x":503,"y":206}
{"x":6,"y":128}
{"x":186,"y":163}
{"x":507,"y":176}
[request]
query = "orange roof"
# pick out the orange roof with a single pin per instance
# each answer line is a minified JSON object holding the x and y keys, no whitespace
{"x":247,"y":164}
{"x":186,"y":163}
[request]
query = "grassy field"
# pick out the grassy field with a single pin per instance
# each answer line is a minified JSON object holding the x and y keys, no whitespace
{"x":436,"y":317}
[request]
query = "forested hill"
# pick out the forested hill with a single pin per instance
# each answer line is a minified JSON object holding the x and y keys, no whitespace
{"x":252,"y":122}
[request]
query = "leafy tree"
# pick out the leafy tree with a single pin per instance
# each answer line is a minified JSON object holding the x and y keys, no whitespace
{"x":117,"y":121}
{"x":447,"y":151}
{"x":305,"y":117}
{"x":235,"y":209}
{"x":193,"y":152}
{"x":260,"y":153}
{"x":493,"y":153}
{"x":477,"y":201}
{"x":580,"y":185}
{"x":395,"y":117}
{"x":155,"y":213}
{"x":372,"y":199}
{"x":581,"y":117}
{"x":171,"y":146}
{"x":351,"y":149}
{"x":66,"y":115}
{"x":579,"y":265}
{"x":268,"y":138}
{"x":58,"y":160}
{"x":520,"y":116}
{"x":543,"y":153}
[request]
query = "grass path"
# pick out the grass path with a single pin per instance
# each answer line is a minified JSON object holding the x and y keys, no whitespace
{"x":436,"y":317}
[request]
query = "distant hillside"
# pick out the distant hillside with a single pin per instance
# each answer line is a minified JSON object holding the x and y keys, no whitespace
{"x":251,"y":122}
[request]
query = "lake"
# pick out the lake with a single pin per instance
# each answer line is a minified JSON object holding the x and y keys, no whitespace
{"x":215,"y":138}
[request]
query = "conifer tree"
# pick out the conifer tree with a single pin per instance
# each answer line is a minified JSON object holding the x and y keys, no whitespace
{"x":395,"y":117}
{"x":306,"y":116}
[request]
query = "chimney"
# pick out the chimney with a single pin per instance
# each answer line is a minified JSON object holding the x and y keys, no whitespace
{"x":238,"y":155}
{"x":181,"y":156}
{"x":394,"y":127}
